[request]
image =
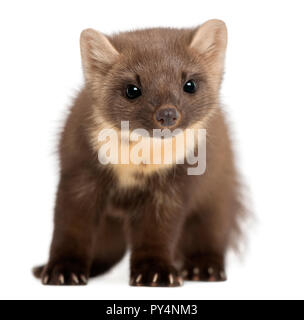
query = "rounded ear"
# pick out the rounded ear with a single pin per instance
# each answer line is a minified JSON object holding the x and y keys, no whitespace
{"x":210,"y":40}
{"x":97,"y":52}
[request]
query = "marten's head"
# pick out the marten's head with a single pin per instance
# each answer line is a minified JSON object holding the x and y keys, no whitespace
{"x":155,"y":78}
{"x":164,"y":80}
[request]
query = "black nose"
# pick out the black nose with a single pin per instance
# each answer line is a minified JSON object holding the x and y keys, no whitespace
{"x":167,"y":117}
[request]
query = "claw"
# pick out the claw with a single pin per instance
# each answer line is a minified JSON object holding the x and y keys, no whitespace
{"x":185,"y":273}
{"x":45,"y":280}
{"x":138,"y":279}
{"x":180,"y":281}
{"x":171,"y":278}
{"x":155,"y":278}
{"x":75,"y":278}
{"x":196,"y":271}
{"x":83,"y":278}
{"x":61,"y":279}
{"x":210,"y":271}
{"x":223,"y":275}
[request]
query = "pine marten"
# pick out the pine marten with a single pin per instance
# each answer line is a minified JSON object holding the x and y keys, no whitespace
{"x":178,"y":226}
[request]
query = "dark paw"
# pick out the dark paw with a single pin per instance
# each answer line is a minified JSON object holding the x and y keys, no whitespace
{"x":64,"y":274}
{"x":204,"y":268}
{"x":147,"y":275}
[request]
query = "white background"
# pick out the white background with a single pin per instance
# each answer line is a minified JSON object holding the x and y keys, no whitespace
{"x":40,"y":71}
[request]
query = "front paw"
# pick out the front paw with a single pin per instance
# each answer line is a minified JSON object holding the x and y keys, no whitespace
{"x":155,"y":274}
{"x":69,"y":273}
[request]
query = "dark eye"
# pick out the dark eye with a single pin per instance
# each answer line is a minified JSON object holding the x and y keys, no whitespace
{"x":132,"y":92}
{"x":190,"y":86}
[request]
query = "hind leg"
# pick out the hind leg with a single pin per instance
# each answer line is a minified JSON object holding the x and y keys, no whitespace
{"x":204,"y":244}
{"x":110,"y":246}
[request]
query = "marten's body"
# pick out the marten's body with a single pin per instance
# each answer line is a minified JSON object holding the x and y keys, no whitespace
{"x":178,"y":226}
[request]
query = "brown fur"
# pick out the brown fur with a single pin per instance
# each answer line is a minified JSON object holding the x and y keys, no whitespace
{"x":175,"y":224}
